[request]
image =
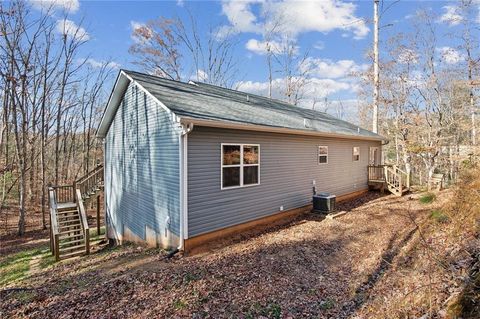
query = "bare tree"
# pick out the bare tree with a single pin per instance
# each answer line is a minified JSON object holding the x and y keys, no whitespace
{"x":158,"y":48}
{"x":41,"y":77}
{"x":166,"y":47}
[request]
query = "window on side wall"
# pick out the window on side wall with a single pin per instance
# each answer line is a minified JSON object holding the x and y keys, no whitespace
{"x":356,"y":153}
{"x":240,"y":165}
{"x":323,"y":155}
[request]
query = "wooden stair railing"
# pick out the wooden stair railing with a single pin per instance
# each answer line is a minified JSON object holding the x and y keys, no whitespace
{"x":91,"y":182}
{"x":398,"y":181}
{"x":390,"y":177}
{"x":83,"y":217}
{"x":54,"y":234}
{"x":69,"y":231}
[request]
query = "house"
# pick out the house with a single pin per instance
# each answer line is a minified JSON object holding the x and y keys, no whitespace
{"x":189,"y":162}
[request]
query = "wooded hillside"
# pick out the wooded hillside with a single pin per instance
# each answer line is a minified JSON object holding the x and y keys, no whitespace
{"x":51,"y":98}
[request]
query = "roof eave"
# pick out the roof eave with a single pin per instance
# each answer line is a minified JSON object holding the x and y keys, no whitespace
{"x":121,"y":84}
{"x":273,"y":129}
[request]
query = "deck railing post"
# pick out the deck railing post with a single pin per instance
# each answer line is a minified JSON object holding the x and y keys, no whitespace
{"x":57,"y":247}
{"x":87,"y":241}
{"x":98,"y":215}
{"x":74,"y":187}
{"x":400,"y":183}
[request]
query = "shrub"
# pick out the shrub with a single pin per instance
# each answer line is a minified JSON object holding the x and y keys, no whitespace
{"x":439,"y":216}
{"x":427,"y":198}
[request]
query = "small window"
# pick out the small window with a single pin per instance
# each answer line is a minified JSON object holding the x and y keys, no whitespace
{"x":356,"y":153}
{"x":322,"y":154}
{"x":240,"y":165}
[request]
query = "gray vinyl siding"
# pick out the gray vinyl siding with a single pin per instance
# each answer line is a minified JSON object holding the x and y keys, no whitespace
{"x":142,"y":178}
{"x":288,"y":166}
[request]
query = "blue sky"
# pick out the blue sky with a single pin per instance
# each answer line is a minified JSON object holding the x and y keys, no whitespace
{"x":336,"y":34}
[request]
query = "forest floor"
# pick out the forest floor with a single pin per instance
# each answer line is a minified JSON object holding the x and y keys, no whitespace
{"x":380,"y":260}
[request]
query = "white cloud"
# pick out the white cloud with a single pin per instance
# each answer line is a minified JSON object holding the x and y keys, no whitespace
{"x":316,"y":94}
{"x":315,"y":88}
{"x":98,"y":64}
{"x":240,"y":15}
{"x":135,"y":25}
{"x":71,"y":29}
{"x":201,"y":76}
{"x":71,"y":6}
{"x":450,"y":55}
{"x":295,"y":17}
{"x":261,"y":47}
{"x":180,"y":3}
{"x":319,"y":45}
{"x":326,"y":68}
{"x":451,"y":15}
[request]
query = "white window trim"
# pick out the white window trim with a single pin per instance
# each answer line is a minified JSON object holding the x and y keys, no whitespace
{"x":241,"y":165}
{"x":318,"y":155}
{"x":353,"y":154}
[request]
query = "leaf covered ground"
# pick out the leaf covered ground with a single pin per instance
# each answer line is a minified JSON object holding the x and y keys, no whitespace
{"x":369,"y":263}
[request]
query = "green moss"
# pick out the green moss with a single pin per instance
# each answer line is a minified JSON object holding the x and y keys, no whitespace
{"x":427,"y":198}
{"x":94,"y":235}
{"x":16,"y":267}
{"x":327,"y":304}
{"x":270,"y":310}
{"x":24,"y":297}
{"x":179,"y":304}
{"x":439,"y":216}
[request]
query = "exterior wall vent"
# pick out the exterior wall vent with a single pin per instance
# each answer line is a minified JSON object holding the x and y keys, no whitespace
{"x":307,"y":123}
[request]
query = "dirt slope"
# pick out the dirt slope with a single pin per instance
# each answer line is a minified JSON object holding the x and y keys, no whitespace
{"x":311,"y":268}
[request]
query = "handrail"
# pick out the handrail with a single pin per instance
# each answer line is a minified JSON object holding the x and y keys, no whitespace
{"x":90,"y":173}
{"x":83,"y":217}
{"x":55,"y":245}
{"x":64,"y":193}
{"x":90,"y":181}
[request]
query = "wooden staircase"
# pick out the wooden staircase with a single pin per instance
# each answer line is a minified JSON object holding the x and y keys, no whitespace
{"x":389,"y":177}
{"x":69,"y":231}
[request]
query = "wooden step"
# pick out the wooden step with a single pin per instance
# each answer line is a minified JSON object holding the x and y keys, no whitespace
{"x":76,"y":241}
{"x":66,"y":206}
{"x":69,"y":249}
{"x":72,"y":254}
{"x":68,"y":216}
{"x":71,"y":239}
{"x":70,"y":234}
{"x":68,"y":221}
{"x":66,"y":213}
{"x":70,"y":228}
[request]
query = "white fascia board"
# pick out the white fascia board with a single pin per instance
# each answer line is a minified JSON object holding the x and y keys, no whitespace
{"x":121,"y":84}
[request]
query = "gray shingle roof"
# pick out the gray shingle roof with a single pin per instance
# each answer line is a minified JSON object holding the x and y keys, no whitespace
{"x":209,"y":102}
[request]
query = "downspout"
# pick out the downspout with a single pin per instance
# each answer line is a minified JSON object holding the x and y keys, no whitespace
{"x":185,"y":129}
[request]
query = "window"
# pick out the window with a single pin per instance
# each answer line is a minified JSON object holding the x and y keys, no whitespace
{"x":240,"y":165}
{"x":323,"y":155}
{"x":356,"y":153}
